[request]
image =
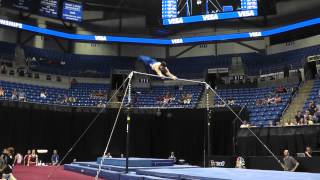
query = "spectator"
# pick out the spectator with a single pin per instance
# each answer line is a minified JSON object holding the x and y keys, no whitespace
{"x":245,"y":124}
{"x":22,"y":96}
{"x":308,"y":152}
{"x":299,"y":117}
{"x":240,"y":163}
{"x":2,"y":92}
{"x":26,"y":158}
{"x":167,"y":99}
{"x":231,"y":101}
{"x":33,"y":158}
{"x":312,"y":108}
{"x":101,"y":104}
{"x":73,"y":82}
{"x":18,"y":159}
{"x":43,"y":94}
{"x":55,"y":158}
{"x":108,"y":155}
{"x":277,"y":99}
{"x":172,"y":157}
{"x":8,"y":161}
{"x":3,"y":68}
{"x":281,"y":89}
{"x":185,"y":98}
{"x":14,"y":95}
{"x":289,"y":163}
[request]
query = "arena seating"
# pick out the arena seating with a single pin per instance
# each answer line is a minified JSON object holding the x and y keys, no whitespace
{"x":276,"y":62}
{"x":82,"y":93}
{"x":53,"y":62}
{"x":195,"y":67}
{"x":259,"y":115}
{"x":148,"y":97}
{"x":55,"y":95}
{"x":76,"y":65}
{"x":314,"y":95}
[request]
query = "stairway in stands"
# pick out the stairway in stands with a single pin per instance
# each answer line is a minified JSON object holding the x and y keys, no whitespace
{"x":203,"y":101}
{"x":298,"y":102}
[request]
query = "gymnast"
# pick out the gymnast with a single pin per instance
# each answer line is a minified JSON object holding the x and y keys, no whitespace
{"x":159,"y":67}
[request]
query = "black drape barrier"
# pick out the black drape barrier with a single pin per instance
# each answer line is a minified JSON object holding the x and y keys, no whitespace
{"x":152,"y":135}
{"x":224,"y":127}
{"x":264,"y":163}
{"x":295,"y":139}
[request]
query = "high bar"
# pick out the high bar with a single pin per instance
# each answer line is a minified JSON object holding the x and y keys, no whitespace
{"x":165,"y":77}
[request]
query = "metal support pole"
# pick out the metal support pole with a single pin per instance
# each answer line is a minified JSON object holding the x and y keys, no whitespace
{"x":128,"y":123}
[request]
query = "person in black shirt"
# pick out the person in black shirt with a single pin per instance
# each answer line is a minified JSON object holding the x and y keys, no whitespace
{"x":312,"y":108}
{"x":8,"y":158}
{"x":299,"y":117}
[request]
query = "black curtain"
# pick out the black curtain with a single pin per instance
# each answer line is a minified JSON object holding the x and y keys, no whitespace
{"x":295,"y":139}
{"x":152,"y":135}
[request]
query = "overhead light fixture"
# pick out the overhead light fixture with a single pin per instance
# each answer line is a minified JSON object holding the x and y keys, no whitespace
{"x":199,"y":2}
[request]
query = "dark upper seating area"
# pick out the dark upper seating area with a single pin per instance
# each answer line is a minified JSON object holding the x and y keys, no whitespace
{"x":193,"y":67}
{"x":7,"y":50}
{"x":196,"y":67}
{"x":76,"y":65}
{"x":276,"y":62}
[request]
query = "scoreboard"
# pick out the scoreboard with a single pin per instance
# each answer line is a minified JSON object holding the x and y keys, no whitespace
{"x":190,"y":11}
{"x":67,"y":10}
{"x":169,"y":9}
{"x":249,"y":4}
{"x":49,"y":8}
{"x":26,"y":5}
{"x":72,"y":11}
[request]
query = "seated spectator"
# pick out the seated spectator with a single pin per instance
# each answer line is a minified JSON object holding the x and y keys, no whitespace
{"x":277,"y":99}
{"x":260,"y":102}
{"x":308,"y":152}
{"x":71,"y":100}
{"x":185,"y":98}
{"x":26,"y":158}
{"x":22,"y":96}
{"x":312,"y":108}
{"x":270,"y":100}
{"x":167,"y":99}
{"x":33,"y":158}
{"x":18,"y":159}
{"x":73,"y":82}
{"x":101,"y":104}
{"x":2,"y":92}
{"x":3,"y":68}
{"x":61,"y":99}
{"x":299,"y":117}
{"x":230,"y":101}
{"x":281,"y":89}
{"x":172,"y":157}
{"x":14,"y":95}
{"x":245,"y":124}
{"x":43,"y":94}
{"x":108,"y":155}
{"x":55,"y":158}
{"x":240,"y":163}
{"x":220,"y":104}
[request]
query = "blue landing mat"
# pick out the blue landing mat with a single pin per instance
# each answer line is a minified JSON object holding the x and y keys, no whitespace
{"x":136,"y":162}
{"x":122,"y":169}
{"x":227,"y":174}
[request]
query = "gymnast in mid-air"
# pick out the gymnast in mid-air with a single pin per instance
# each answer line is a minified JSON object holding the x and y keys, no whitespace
{"x":159,"y":67}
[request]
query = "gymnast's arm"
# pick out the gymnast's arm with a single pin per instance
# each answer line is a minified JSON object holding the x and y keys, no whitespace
{"x":170,"y":75}
{"x":156,"y":68}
